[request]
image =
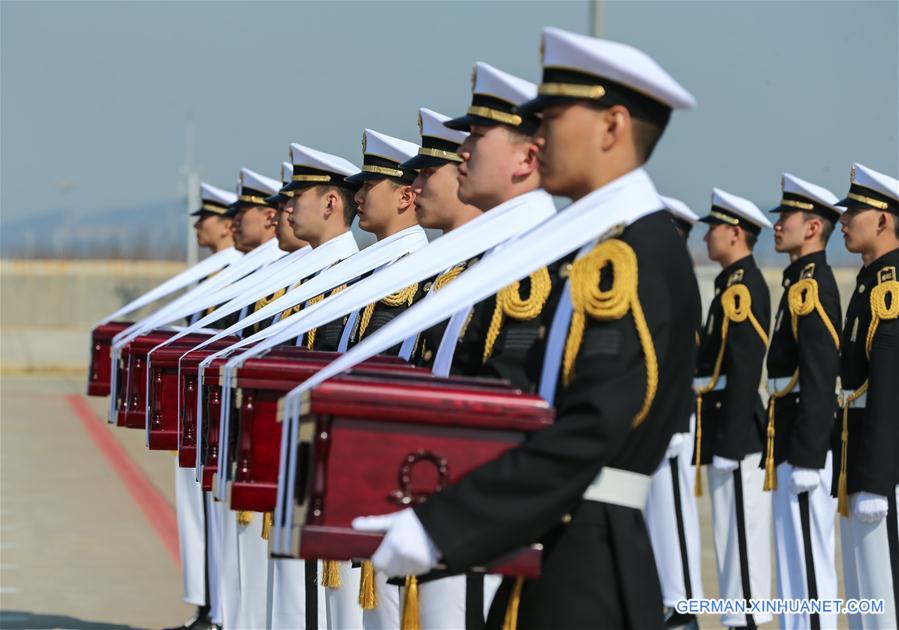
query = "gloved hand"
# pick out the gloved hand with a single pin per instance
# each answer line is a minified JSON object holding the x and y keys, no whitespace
{"x":679,"y":441}
{"x":406,"y":549}
{"x":722,"y":464}
{"x":804,"y":479}
{"x":867,"y":507}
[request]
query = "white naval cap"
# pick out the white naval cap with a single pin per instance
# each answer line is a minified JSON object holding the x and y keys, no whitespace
{"x":679,"y":210}
{"x":495,"y":98}
{"x":733,"y":210}
{"x":578,"y":67}
{"x":286,"y":176}
{"x":254,"y":189}
{"x":870,"y":189}
{"x":799,"y":194}
{"x":316,"y":168}
{"x":383,"y":156}
{"x":439,"y":143}
{"x":213,"y":200}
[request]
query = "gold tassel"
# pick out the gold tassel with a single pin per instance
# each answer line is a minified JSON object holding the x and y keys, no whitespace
{"x":842,"y":495}
{"x":411,"y":619}
{"x":266,"y":525}
{"x":510,"y":621}
{"x":244,"y":517}
{"x":770,"y":476}
{"x":330,"y":574}
{"x":697,"y":484}
{"x":368,"y":595}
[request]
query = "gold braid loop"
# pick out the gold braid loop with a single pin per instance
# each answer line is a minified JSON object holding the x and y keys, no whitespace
{"x":880,"y":311}
{"x":260,"y":304}
{"x":310,"y":336}
{"x":446,"y":277}
{"x":400,"y":298}
{"x":509,"y":303}
{"x":736,"y":304}
{"x":587,"y":298}
{"x":802,"y":300}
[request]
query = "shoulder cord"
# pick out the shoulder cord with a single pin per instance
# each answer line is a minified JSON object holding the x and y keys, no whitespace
{"x":509,"y":303}
{"x":399,"y":298}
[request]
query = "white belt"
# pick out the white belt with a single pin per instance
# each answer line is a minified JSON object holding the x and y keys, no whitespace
{"x":702,"y":381}
{"x":779,"y":383}
{"x":619,"y":487}
{"x":858,"y":403}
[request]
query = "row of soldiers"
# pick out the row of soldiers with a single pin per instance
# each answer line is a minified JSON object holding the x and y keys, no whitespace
{"x":603,"y":319}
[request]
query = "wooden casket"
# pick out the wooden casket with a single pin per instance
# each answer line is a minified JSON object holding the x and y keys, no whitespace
{"x":260,"y":383}
{"x":383,"y":443}
{"x":98,"y":374}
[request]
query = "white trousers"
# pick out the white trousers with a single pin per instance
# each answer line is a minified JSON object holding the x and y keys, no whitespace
{"x":229,"y":566}
{"x":191,"y":534}
{"x":252,"y":558}
{"x":673,"y":524}
{"x":805,"y":523}
{"x":741,"y":520}
{"x":442,"y":602}
{"x":867,"y":572}
{"x":214,"y":556}
{"x":287,"y":595}
{"x":386,"y":613}
{"x":343,"y":609}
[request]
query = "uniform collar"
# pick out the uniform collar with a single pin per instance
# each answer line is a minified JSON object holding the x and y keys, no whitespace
{"x":747,"y":262}
{"x":793,"y":270}
{"x":889,"y":259}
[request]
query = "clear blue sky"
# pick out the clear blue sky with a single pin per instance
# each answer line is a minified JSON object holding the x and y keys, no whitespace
{"x":95,"y":94}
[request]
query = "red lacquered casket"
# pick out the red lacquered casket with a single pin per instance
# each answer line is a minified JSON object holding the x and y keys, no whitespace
{"x":163,"y":394}
{"x":101,"y":343}
{"x":131,"y":395}
{"x":261,"y":382}
{"x":383,"y":444}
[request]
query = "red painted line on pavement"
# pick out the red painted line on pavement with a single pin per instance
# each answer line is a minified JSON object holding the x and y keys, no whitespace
{"x":156,"y":509}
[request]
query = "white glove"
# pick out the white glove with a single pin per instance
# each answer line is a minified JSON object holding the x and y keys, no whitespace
{"x":867,"y":507}
{"x":722,"y":464}
{"x":406,"y":549}
{"x":676,"y":446}
{"x":804,"y":479}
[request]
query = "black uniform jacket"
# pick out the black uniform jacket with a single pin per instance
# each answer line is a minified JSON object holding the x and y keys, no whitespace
{"x":873,"y":430}
{"x":803,"y":420}
{"x":733,"y":419}
{"x":599,"y":566}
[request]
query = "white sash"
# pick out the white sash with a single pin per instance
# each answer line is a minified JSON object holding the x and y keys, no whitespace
{"x":208,"y":266}
{"x":618,"y":203}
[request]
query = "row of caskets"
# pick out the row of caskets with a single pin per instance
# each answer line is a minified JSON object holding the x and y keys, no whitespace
{"x":374,"y":440}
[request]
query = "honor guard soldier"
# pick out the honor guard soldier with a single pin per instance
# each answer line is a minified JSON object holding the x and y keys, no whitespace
{"x":730,"y":418}
{"x":869,"y":370}
{"x":192,"y":509}
{"x":579,"y":486}
{"x":318,"y":208}
{"x":321,"y":208}
{"x":244,"y":559}
{"x":385,"y":205}
{"x":671,"y":499}
{"x":803,"y":365}
{"x":287,"y":240}
{"x":438,"y":207}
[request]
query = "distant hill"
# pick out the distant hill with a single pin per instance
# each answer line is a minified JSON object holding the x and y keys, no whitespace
{"x":158,"y":231}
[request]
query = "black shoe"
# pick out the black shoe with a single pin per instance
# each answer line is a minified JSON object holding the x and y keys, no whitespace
{"x":680,"y":620}
{"x":200,"y":621}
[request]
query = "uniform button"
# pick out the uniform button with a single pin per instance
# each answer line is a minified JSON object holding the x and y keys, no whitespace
{"x":718,"y":405}
{"x":717,"y":291}
{"x":427,"y":286}
{"x":565,"y":271}
{"x":786,"y":282}
{"x":861,"y":288}
{"x":427,"y":355}
{"x":566,"y":519}
{"x":541,"y":333}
